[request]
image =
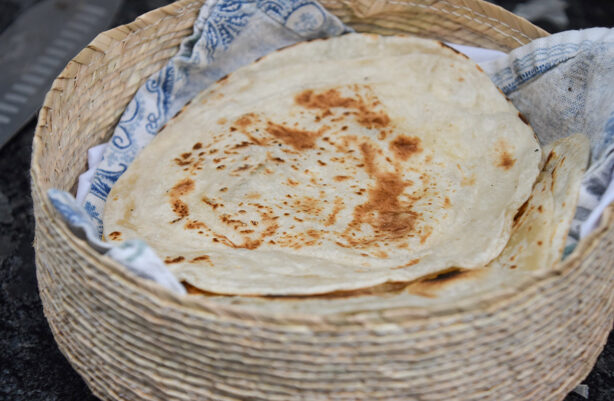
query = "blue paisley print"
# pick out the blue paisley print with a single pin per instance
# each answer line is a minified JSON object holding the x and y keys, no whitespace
{"x":104,"y":180}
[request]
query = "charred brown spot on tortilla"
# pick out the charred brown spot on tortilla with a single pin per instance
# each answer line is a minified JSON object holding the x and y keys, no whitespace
{"x":340,"y":178}
{"x":183,"y":162}
{"x":521,"y":211}
{"x":181,"y":209}
{"x":194,"y":225}
{"x":242,"y":168}
{"x":332,"y":218}
{"x":332,"y":98}
{"x":468,"y":181}
{"x":390,"y":219}
{"x":115,"y":235}
{"x":177,"y":259}
{"x":197,"y":146}
{"x":505,"y":159}
{"x":241,"y":145}
{"x":479,"y":68}
{"x":223,"y":79}
{"x":202,"y":258}
{"x":297,"y":138}
{"x":550,"y":156}
{"x":245,"y":120}
{"x":308,"y":205}
{"x":408,"y":264}
{"x":405,"y":146}
{"x":210,"y":202}
{"x":180,"y":189}
{"x":555,"y":172}
{"x":184,"y":108}
{"x":429,"y":286}
{"x":427,"y":233}
{"x":523,"y":118}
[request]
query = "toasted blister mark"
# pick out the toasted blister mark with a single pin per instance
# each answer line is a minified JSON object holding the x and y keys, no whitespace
{"x":408,"y":264}
{"x":468,"y":181}
{"x":115,"y":236}
{"x":180,"y":189}
{"x":505,"y":159}
{"x":202,"y":258}
{"x":297,"y":138}
{"x":195,"y":225}
{"x":390,"y":219}
{"x":404,"y":146}
{"x":434,"y":285}
{"x":339,"y":206}
{"x":177,"y":259}
{"x":363,"y":111}
{"x":521,"y":212}
{"x":245,"y":120}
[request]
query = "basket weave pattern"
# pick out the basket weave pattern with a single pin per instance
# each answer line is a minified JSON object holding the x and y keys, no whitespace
{"x":133,"y":340}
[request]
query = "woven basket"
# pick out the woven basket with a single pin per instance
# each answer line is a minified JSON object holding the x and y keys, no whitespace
{"x":133,"y":340}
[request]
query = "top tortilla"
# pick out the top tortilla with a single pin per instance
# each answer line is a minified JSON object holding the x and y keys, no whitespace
{"x":332,"y":165}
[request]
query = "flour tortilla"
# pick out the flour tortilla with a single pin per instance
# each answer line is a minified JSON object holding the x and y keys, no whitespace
{"x":333,"y":165}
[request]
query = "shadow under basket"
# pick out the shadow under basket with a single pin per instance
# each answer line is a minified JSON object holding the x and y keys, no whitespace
{"x":132,"y":340}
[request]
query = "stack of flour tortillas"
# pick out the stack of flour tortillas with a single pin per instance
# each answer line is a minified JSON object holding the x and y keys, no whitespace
{"x":357,"y":165}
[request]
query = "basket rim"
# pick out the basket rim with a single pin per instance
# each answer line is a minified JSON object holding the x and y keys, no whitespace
{"x":198,"y":304}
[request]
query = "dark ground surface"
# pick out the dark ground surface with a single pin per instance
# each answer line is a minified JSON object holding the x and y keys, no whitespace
{"x":31,"y":366}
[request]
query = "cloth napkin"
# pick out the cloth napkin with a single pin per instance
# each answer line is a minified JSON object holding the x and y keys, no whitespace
{"x":564,"y":84}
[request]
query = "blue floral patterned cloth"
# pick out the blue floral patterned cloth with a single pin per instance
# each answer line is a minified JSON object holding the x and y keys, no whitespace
{"x":563,"y":83}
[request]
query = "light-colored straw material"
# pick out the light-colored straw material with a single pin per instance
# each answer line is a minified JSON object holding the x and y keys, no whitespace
{"x":133,"y":340}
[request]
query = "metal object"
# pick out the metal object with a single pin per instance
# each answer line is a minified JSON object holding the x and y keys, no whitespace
{"x":35,"y":49}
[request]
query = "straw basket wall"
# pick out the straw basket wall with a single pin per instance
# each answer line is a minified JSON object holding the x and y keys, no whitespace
{"x":133,"y":340}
